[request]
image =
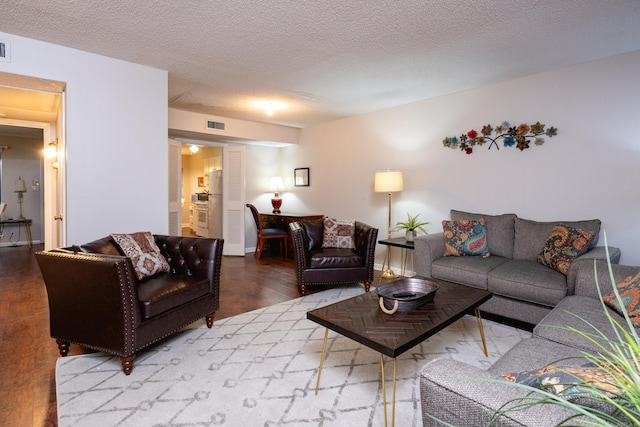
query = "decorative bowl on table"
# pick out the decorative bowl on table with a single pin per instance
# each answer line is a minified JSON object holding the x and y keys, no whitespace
{"x":406,"y":294}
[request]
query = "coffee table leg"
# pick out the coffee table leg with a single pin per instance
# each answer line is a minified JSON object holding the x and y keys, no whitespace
{"x":479,"y":319}
{"x":324,"y":347}
{"x":384,"y":392}
{"x":393,"y":407}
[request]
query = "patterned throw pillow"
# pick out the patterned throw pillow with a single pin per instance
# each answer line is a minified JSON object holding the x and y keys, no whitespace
{"x":568,"y":382}
{"x":145,"y":255}
{"x":339,"y":233}
{"x":629,"y":290}
{"x":465,"y":237}
{"x":563,"y":245}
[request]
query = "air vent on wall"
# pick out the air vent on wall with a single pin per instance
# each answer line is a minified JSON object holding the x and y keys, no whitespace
{"x":215,"y":125}
{"x":5,"y":51}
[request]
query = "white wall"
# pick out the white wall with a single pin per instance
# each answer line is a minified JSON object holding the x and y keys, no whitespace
{"x":589,"y":170}
{"x":116,"y":135}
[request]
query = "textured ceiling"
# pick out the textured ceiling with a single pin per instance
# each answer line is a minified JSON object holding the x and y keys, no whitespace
{"x":324,"y":60}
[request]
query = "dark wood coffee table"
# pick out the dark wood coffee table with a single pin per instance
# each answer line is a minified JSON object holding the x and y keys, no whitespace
{"x":361,"y":319}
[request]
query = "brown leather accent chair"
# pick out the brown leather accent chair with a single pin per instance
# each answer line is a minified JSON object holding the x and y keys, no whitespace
{"x":96,"y":300}
{"x":316,"y":265}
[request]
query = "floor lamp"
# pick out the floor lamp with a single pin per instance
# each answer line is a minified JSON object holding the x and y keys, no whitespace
{"x":388,"y":182}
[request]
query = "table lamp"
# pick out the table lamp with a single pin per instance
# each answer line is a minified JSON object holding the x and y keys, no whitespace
{"x":388,"y":182}
{"x":276,"y":186}
{"x":20,"y":188}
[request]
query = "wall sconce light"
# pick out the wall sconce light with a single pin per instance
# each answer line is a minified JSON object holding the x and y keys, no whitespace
{"x":276,"y":185}
{"x":194,"y":148}
{"x":51,"y":151}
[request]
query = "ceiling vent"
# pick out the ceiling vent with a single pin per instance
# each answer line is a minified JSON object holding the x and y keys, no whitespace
{"x":215,"y":125}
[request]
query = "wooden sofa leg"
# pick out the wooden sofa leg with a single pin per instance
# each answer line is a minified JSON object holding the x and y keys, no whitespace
{"x":63,"y":347}
{"x":367,"y":286}
{"x":210,"y":320}
{"x":127,"y":364}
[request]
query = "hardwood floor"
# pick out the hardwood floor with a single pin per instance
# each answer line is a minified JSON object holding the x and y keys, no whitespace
{"x":27,"y":382}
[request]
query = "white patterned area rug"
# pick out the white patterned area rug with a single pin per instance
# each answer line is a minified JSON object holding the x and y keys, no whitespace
{"x":260,"y":369}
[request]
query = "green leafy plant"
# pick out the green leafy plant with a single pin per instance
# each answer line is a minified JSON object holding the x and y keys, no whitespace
{"x":619,"y":358}
{"x":411,"y":224}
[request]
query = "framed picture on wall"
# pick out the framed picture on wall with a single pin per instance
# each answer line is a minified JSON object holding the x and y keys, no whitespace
{"x":201,"y":181}
{"x":301,"y":177}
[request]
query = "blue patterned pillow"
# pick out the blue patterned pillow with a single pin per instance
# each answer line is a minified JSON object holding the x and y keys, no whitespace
{"x":569,"y":382}
{"x":465,"y":237}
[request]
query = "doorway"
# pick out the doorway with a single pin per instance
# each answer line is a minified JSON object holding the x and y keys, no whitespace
{"x":21,"y":177}
{"x":28,"y":109}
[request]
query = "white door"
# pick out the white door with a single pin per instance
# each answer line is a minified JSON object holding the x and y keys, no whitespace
{"x":55,"y":224}
{"x":233,"y":200}
{"x":175,"y":185}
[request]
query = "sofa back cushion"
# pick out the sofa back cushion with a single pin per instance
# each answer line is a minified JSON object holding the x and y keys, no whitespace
{"x":314,"y":229}
{"x":105,"y":246}
{"x":530,"y":236}
{"x":500,"y":231}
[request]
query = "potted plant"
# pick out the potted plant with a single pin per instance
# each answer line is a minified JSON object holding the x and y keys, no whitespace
{"x":411,"y":226}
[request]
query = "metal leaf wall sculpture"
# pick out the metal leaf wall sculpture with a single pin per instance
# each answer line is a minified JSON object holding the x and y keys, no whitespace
{"x":511,"y":136}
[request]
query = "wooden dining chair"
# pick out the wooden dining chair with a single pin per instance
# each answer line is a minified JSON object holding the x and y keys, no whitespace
{"x":267,"y":233}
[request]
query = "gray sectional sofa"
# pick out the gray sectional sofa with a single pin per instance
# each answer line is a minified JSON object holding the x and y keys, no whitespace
{"x":523,"y":289}
{"x":462,"y":395}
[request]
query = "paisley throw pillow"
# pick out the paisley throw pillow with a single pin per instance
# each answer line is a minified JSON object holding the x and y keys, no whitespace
{"x":145,"y":255}
{"x":629,"y":290}
{"x":465,"y":237}
{"x":563,"y":245}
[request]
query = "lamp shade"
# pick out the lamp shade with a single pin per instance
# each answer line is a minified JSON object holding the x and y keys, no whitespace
{"x":275,"y":184}
{"x":388,"y":182}
{"x":20,"y":186}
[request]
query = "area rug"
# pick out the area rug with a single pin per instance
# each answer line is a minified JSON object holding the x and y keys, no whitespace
{"x":260,"y":369}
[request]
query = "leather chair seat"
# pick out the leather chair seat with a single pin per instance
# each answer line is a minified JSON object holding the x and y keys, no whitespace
{"x":165,"y":291}
{"x":335,"y":258}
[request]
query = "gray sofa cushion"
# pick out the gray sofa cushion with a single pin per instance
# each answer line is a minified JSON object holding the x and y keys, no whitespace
{"x":530,"y":236}
{"x":533,"y":353}
{"x":466,"y":270}
{"x":554,"y":325}
{"x":500,"y":231}
{"x":528,"y":281}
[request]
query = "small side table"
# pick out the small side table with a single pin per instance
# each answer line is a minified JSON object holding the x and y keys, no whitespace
{"x":407,"y":250}
{"x":24,"y":222}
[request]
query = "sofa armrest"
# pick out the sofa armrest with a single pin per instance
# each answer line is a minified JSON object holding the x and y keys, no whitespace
{"x":428,"y":248}
{"x":586,"y":276}
{"x":595,"y":253}
{"x":300,"y":246}
{"x":365,"y":239}
{"x":92,"y":299}
{"x":460,"y":394}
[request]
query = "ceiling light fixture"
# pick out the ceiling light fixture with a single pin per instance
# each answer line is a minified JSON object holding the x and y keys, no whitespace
{"x":270,"y":107}
{"x":194,"y":148}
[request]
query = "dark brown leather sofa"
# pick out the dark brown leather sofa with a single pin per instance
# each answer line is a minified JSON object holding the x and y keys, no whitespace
{"x":316,"y":265}
{"x":96,"y":301}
